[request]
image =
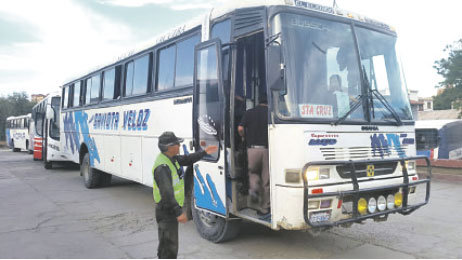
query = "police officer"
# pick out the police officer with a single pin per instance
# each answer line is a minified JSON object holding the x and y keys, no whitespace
{"x":168,"y":190}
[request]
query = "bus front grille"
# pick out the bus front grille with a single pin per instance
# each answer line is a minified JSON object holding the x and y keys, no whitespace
{"x":363,"y":153}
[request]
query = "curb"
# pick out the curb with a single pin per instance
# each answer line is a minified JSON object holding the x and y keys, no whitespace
{"x":447,"y":177}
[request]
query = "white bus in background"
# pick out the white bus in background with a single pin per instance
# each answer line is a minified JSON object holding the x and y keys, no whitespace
{"x":439,"y":139}
{"x":17,"y":133}
{"x":47,"y":141}
{"x":339,"y":154}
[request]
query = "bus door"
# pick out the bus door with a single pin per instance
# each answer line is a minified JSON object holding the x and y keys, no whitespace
{"x":208,"y":115}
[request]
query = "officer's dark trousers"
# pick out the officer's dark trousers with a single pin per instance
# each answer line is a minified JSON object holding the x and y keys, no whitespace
{"x":167,"y":227}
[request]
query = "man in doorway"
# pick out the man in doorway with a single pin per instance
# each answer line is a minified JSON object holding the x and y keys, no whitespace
{"x":169,"y":191}
{"x":254,"y":128}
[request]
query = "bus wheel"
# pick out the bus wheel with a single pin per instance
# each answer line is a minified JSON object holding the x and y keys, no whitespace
{"x":29,"y":151}
{"x":105,"y":179}
{"x":214,"y":228}
{"x":90,"y":175}
{"x":47,"y":164}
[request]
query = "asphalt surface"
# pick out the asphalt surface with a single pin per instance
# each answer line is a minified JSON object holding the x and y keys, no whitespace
{"x":50,"y":214}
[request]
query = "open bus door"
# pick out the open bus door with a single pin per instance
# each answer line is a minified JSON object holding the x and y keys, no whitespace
{"x":208,"y":120}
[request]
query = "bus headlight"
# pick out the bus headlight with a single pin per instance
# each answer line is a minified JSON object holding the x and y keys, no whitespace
{"x":398,"y":199}
{"x":410,"y":165}
{"x":381,"y":203}
{"x":317,"y":173}
{"x":372,"y":205}
{"x":362,"y":206}
{"x":390,"y":201}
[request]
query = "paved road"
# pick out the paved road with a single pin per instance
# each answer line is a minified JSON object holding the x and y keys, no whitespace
{"x":50,"y":214}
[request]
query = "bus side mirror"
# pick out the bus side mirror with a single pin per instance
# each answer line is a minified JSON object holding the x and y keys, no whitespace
{"x":275,"y":68}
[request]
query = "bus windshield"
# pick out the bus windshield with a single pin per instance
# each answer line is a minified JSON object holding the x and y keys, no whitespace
{"x":323,"y":73}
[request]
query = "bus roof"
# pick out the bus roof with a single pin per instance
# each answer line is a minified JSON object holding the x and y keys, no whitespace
{"x":223,"y":9}
{"x":437,"y":124}
{"x":47,"y":97}
{"x":19,"y":117}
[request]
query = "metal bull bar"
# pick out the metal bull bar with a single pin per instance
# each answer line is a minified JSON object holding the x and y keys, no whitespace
{"x":405,"y":209}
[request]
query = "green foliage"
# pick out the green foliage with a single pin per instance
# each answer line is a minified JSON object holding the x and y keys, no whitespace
{"x":451,"y":70}
{"x":13,"y":105}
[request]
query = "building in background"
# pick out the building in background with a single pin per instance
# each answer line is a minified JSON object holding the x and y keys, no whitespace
{"x":37,"y":97}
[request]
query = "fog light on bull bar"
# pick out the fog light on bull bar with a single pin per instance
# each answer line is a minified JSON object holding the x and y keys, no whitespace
{"x":372,"y":205}
{"x":292,"y":175}
{"x":381,"y":203}
{"x":362,"y":206}
{"x":398,"y":199}
{"x":390,"y":201}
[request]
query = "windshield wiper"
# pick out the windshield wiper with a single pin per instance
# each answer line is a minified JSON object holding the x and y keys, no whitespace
{"x":353,"y":109}
{"x":380,"y":97}
{"x":387,"y":105}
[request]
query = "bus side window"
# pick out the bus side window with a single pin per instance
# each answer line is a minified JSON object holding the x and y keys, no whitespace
{"x":137,"y":76}
{"x":185,"y":62}
{"x":87,"y":91}
{"x":95,"y":89}
{"x":108,"y":84}
{"x":128,"y":86}
{"x":166,"y":68}
{"x":76,"y":100}
{"x":70,"y":96}
{"x":222,"y":31}
{"x":64,"y":105}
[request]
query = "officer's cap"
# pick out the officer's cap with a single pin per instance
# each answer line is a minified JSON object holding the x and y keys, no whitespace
{"x":168,"y":139}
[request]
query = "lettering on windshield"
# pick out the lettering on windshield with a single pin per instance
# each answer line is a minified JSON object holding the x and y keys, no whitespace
{"x":316,"y":111}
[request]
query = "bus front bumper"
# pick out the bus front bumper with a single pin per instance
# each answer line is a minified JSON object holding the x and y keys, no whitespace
{"x":325,"y":219}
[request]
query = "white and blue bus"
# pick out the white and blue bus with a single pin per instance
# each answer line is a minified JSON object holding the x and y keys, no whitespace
{"x":18,"y":133}
{"x":338,"y":153}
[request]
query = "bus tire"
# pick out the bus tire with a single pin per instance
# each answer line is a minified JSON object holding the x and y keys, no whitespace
{"x":91,"y":176}
{"x":105,"y":179}
{"x":29,"y":151}
{"x":47,"y":164}
{"x":214,"y":228}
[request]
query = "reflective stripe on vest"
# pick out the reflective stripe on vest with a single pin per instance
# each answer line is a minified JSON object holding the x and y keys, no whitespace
{"x":178,"y":184}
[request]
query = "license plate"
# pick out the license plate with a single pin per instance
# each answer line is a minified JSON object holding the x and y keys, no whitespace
{"x":320,"y":216}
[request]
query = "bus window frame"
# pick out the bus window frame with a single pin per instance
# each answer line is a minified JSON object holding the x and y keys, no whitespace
{"x":193,"y":32}
{"x":79,"y":101}
{"x":103,"y":74}
{"x":124,"y":65}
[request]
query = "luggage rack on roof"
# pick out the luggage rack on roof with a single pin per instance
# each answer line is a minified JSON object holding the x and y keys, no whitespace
{"x":405,"y":209}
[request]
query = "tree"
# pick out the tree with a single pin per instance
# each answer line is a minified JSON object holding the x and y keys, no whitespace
{"x":13,"y":105}
{"x":451,"y":70}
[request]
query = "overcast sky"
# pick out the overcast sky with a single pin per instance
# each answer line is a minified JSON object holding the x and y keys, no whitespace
{"x":43,"y":43}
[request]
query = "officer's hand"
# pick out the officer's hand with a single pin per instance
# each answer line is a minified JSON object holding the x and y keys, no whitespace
{"x":182,"y":218}
{"x":211,"y":149}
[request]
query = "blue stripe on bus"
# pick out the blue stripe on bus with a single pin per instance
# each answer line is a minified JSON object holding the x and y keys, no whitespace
{"x":207,"y":200}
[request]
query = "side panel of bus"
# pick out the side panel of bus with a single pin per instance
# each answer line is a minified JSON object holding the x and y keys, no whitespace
{"x":122,"y":140}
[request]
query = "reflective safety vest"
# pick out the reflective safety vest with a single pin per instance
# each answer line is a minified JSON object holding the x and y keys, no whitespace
{"x":178,"y":184}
